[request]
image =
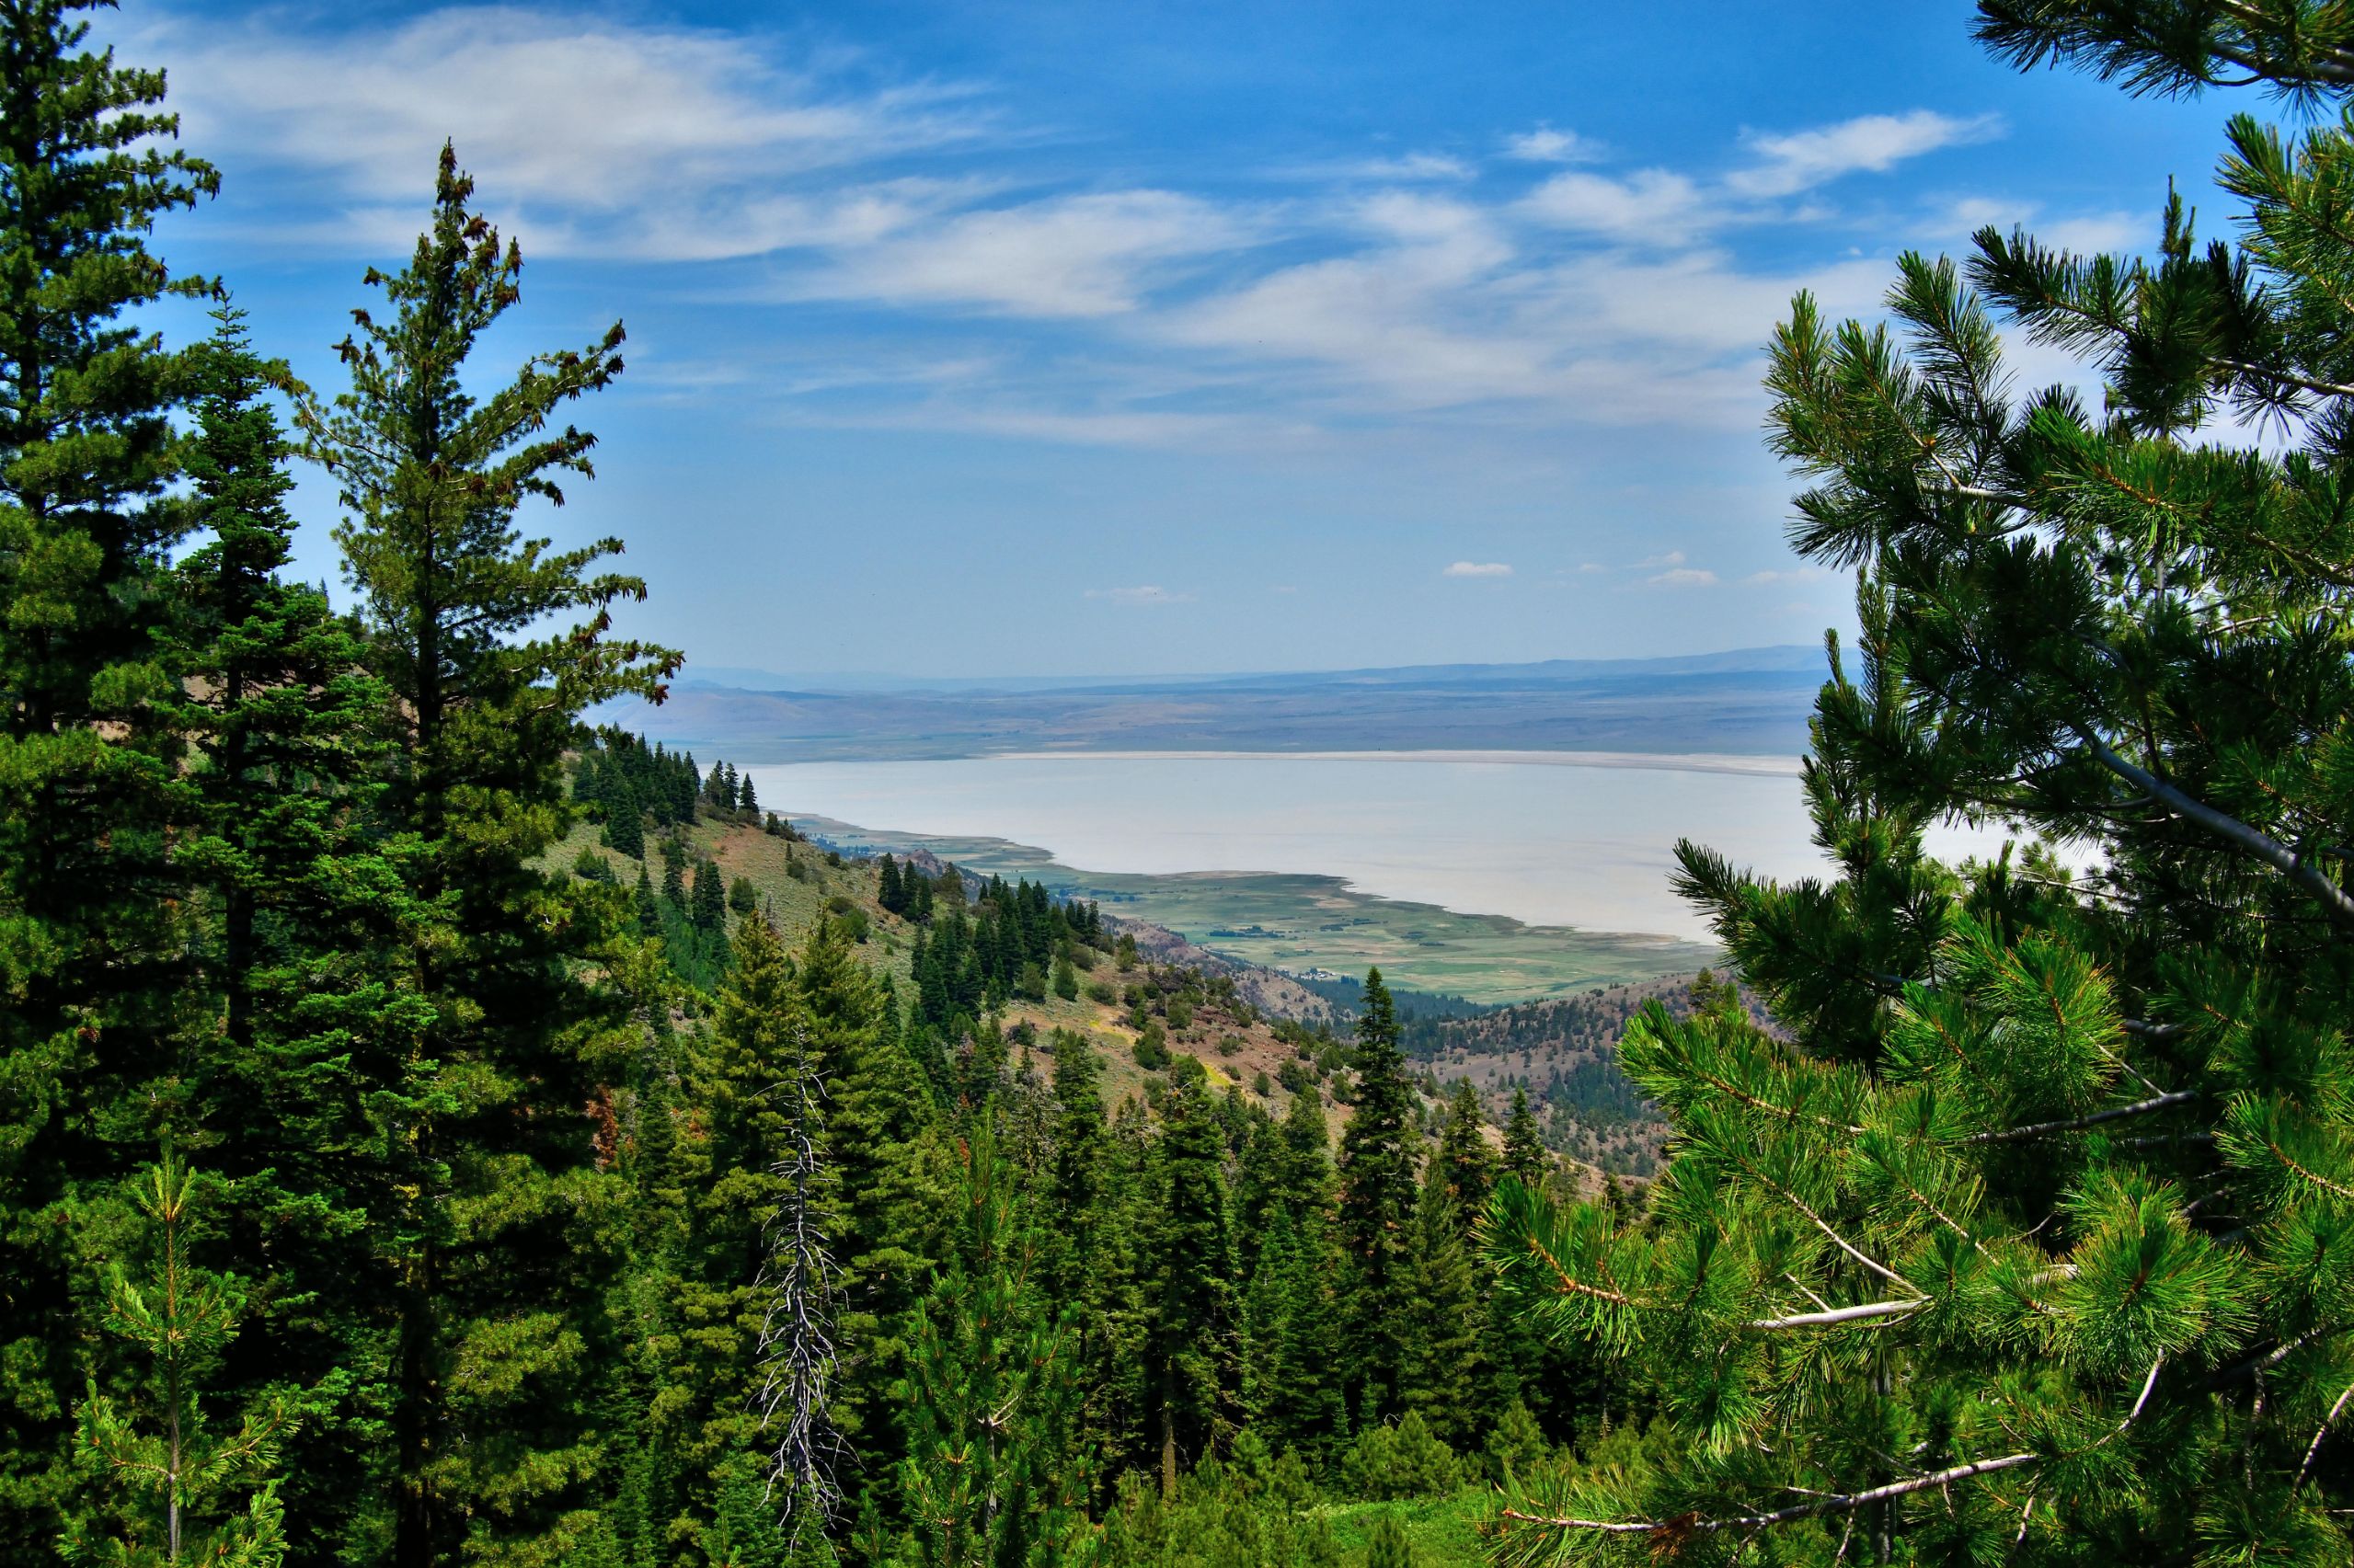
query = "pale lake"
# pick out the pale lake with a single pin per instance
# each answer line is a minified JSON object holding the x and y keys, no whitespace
{"x":1558,"y":839}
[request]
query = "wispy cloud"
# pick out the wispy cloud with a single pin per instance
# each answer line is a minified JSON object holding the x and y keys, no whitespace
{"x":1684,"y":576}
{"x":1546,"y":146}
{"x":1789,"y":574}
{"x":600,"y":136}
{"x":1477,"y":569}
{"x":1392,"y":288}
{"x":1650,"y":206}
{"x":1148,"y":593}
{"x":1077,"y":256}
{"x":1413,"y":166}
{"x":1870,"y":144}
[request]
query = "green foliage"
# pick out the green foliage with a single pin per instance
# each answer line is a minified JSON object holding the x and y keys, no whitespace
{"x":168,"y":1474}
{"x":2014,"y":1238}
{"x":1406,"y":1460}
{"x":1377,"y":1201}
{"x":993,"y":1475}
{"x":1390,"y":1549}
{"x":518,"y":1161}
{"x":87,"y":453}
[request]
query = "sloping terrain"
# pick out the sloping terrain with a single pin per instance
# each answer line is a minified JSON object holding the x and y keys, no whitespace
{"x":1564,"y":1051}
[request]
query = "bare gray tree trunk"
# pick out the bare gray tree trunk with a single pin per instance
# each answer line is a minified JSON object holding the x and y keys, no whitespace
{"x":797,"y":1350}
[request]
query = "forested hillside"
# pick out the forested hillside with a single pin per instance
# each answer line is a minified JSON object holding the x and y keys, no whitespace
{"x":434,"y":1130}
{"x":437,"y":1131}
{"x":1561,"y":1057}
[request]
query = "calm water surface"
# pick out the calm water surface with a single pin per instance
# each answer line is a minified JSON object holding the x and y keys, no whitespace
{"x":1540,"y":837}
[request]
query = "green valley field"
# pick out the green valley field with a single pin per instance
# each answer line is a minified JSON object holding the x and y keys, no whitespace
{"x":1302,"y":922}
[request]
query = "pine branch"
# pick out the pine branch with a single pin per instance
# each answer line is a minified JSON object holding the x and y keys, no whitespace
{"x":2230,"y":828}
{"x":1842,"y":1502}
{"x":2305,"y":1466}
{"x":2138,"y":1108}
{"x":1869,"y":1310}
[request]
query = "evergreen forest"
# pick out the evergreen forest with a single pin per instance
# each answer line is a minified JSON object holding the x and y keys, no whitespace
{"x":438,"y":1129}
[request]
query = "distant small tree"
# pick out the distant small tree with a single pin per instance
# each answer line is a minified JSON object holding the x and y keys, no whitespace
{"x":742,"y":897}
{"x":1390,"y":1549}
{"x":625,"y":829}
{"x":1526,"y":1160}
{"x":1066,"y":978}
{"x":650,"y":912}
{"x":1029,"y":984}
{"x":708,"y":903}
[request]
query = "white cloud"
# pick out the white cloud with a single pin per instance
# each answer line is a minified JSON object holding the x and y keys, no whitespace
{"x":1477,"y":569}
{"x":1668,"y":559}
{"x":1650,"y":206}
{"x":1591,"y":568}
{"x":1591,"y":299}
{"x":1684,"y":576}
{"x":590,"y":134}
{"x":1145,"y":594}
{"x":1412,"y":167}
{"x":1546,"y":146}
{"x":1789,"y":574}
{"x":1076,"y":255}
{"x":1870,"y":144}
{"x":2081,"y":233}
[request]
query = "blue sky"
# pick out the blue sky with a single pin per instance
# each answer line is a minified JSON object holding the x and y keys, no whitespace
{"x":998,"y":337}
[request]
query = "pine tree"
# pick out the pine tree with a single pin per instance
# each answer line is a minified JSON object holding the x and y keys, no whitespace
{"x":300,"y":948}
{"x":165,"y":1483}
{"x":1377,"y":1199}
{"x":650,"y":912}
{"x":2016,"y":1238}
{"x":625,"y":828}
{"x":88,"y":451}
{"x":760,"y":1036}
{"x":991,"y":1475}
{"x":707,"y":902}
{"x":1465,"y":1165}
{"x":1389,"y":1546}
{"x":1526,"y":1158}
{"x":1066,"y":977}
{"x":1441,"y":1360}
{"x":1191,"y":1280}
{"x":888,"y":894}
{"x":896,"y":1174}
{"x":487,"y":691}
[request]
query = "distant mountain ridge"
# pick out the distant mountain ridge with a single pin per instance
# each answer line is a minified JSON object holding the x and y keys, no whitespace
{"x":1749,"y":701}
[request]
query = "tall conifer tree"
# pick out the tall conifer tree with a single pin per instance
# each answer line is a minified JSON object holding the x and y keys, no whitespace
{"x":305,"y":926}
{"x":455,"y":598}
{"x":88,"y":937}
{"x":1377,"y":1199}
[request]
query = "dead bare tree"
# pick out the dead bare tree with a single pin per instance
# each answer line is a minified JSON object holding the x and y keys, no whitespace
{"x":797,"y":1348}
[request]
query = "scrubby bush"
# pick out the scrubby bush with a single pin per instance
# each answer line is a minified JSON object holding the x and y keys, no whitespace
{"x":1406,"y":1459}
